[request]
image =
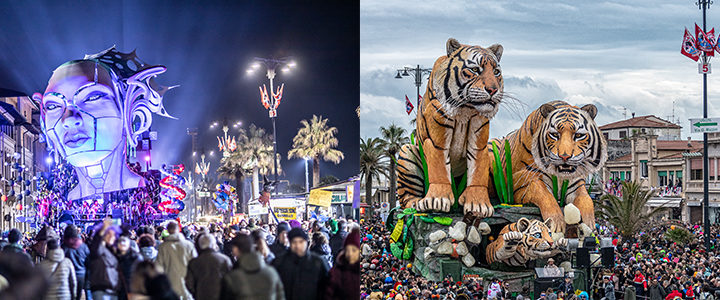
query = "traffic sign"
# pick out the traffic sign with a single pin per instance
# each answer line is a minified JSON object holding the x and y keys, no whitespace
{"x":704,"y":68}
{"x":705,"y":125}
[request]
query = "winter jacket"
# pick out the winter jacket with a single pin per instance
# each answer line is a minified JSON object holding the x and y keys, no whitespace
{"x":252,"y":279}
{"x":61,"y":274}
{"x":336,"y":242}
{"x":102,"y":272}
{"x":126,"y":263}
{"x":205,"y":274}
{"x":610,"y":291}
{"x":324,"y":252}
{"x":174,"y":254}
{"x":640,"y":281}
{"x":77,"y":252}
{"x":302,"y":277}
{"x":629,"y":293}
{"x":148,"y":253}
{"x":656,"y":292}
{"x":16,"y":248}
{"x":278,"y":249}
{"x":344,"y":279}
{"x":706,"y":296}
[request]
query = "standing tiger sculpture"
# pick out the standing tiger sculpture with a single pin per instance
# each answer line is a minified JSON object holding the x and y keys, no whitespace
{"x":561,"y":140}
{"x":523,"y":241}
{"x":463,"y":93}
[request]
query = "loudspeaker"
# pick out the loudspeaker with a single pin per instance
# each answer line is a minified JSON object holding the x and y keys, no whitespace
{"x":607,"y":256}
{"x":583,"y":258}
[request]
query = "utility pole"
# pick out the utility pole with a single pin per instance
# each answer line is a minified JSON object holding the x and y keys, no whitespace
{"x":417,"y":73}
{"x":193,"y":132}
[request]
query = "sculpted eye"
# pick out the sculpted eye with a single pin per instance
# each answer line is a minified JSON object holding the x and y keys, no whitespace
{"x":476,"y":70}
{"x":537,"y":235}
{"x":94,"y":97}
{"x":51,"y":106}
{"x":497,"y":72}
{"x":579,"y":136}
{"x":554,"y":135}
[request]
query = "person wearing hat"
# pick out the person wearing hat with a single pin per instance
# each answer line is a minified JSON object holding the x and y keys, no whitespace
{"x":551,"y":270}
{"x":304,"y":275}
{"x":205,"y":271}
{"x":59,"y":271}
{"x":281,"y":244}
{"x":345,"y":274}
{"x":257,"y":279}
{"x":13,"y":246}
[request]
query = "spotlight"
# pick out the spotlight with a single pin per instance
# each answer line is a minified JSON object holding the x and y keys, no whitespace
{"x":292,"y":64}
{"x":285,"y":69}
{"x":249,"y":71}
{"x":49,"y":160}
{"x":147,"y":158}
{"x":255,"y":66}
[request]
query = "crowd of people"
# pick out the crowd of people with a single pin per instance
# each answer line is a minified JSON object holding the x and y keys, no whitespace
{"x":287,"y":260}
{"x":648,"y":266}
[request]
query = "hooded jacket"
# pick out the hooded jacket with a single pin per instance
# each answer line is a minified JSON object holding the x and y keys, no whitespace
{"x":174,"y":254}
{"x":61,"y":274}
{"x":205,"y":274}
{"x":252,"y":279}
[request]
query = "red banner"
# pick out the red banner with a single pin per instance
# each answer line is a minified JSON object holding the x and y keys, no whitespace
{"x":689,"y":48}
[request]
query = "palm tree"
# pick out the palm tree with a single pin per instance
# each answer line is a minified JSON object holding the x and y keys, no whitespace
{"x":372,"y":165}
{"x":316,"y":140}
{"x":394,"y":137}
{"x":627,"y":213}
{"x":253,"y":156}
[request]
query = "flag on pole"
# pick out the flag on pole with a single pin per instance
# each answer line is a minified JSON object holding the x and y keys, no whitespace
{"x":703,"y":44}
{"x":419,"y":100}
{"x":713,"y":42}
{"x":408,"y":105}
{"x":689,"y":47}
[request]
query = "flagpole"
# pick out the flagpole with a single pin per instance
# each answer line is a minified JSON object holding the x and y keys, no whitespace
{"x":706,"y":203}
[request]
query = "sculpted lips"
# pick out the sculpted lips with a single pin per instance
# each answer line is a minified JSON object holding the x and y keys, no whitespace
{"x":75,"y":140}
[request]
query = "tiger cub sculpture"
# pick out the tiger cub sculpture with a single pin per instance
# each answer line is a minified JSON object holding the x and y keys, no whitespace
{"x":523,"y":241}
{"x":561,"y":140}
{"x":464,"y":90}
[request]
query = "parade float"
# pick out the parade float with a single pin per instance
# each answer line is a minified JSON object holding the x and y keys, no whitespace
{"x":493,"y":208}
{"x":93,"y":112}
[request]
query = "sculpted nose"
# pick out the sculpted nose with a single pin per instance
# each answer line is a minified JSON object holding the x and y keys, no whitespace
{"x":71,"y":118}
{"x":491,"y":90}
{"x":565,"y":156}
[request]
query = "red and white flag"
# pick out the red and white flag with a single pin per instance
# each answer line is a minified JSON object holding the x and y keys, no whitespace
{"x":702,"y":41}
{"x":689,"y":48}
{"x":408,"y":105}
{"x":713,"y":42}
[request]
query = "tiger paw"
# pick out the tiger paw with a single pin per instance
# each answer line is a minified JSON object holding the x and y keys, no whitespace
{"x":558,"y":222}
{"x":438,"y":198}
{"x":512,"y":237}
{"x":476,"y":199}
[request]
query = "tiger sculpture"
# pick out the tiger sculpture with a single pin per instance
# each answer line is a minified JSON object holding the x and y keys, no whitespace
{"x":523,"y":241}
{"x":463,"y":92}
{"x":556,"y":139}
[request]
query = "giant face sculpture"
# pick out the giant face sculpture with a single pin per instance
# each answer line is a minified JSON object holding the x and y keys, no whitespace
{"x":93,"y":110}
{"x":82,"y":115}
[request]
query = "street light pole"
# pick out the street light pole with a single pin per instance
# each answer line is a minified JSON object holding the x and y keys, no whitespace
{"x":307,"y":183}
{"x":417,"y":73}
{"x":704,"y":5}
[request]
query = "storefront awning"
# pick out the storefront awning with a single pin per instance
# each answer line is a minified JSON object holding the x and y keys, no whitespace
{"x":664,"y":201}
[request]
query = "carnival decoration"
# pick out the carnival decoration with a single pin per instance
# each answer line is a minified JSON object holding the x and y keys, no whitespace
{"x":226,"y":144}
{"x":172,"y":196}
{"x":701,"y":43}
{"x":224,"y":197}
{"x":124,"y":96}
{"x":271,"y":104}
{"x":202,"y":167}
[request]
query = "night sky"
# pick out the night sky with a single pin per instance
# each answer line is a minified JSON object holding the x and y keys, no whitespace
{"x":207,"y":48}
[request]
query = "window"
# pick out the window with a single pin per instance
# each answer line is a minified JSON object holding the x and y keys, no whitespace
{"x":696,"y":174}
{"x":605,"y":135}
{"x":643,"y":168}
{"x":662,"y":178}
{"x":627,"y":176}
{"x":623,"y":134}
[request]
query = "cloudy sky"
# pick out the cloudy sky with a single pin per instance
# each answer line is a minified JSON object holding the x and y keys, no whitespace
{"x":621,"y":56}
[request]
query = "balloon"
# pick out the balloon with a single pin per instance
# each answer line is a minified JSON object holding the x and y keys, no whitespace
{"x":27,"y":192}
{"x":672,"y":227}
{"x":19,"y":197}
{"x":19,"y":178}
{"x":3,"y":198}
{"x":11,"y":193}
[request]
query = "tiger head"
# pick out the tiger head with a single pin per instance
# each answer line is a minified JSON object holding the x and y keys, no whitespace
{"x":536,"y":237}
{"x":469,"y":76}
{"x":568,"y":143}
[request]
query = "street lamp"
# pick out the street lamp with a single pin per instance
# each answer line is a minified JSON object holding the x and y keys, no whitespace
{"x":307,"y":184}
{"x":417,"y":73}
{"x":271,"y":101}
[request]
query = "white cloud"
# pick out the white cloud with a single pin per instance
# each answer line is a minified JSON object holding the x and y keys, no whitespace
{"x":618,"y":56}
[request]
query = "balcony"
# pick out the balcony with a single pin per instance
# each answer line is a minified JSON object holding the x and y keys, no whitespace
{"x":697,"y":186}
